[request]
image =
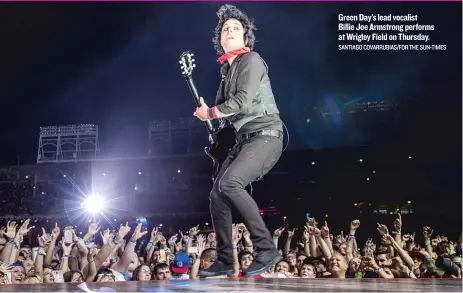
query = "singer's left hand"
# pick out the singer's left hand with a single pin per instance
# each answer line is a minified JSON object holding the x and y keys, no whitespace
{"x":201,"y":112}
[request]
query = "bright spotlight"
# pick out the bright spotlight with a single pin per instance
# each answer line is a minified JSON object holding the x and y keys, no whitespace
{"x":94,"y":204}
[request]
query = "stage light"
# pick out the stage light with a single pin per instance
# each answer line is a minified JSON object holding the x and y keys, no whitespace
{"x":94,"y":204}
{"x":139,"y":173}
{"x":27,"y":177}
{"x":361,"y":160}
{"x":313,"y":163}
{"x":409,"y":157}
{"x":64,"y":175}
{"x":409,"y":201}
{"x":178,"y":171}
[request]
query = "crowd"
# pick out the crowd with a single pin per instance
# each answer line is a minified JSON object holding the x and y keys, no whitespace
{"x":22,"y":198}
{"x":136,"y":254}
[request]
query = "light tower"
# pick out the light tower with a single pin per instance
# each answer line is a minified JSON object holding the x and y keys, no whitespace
{"x":69,"y":143}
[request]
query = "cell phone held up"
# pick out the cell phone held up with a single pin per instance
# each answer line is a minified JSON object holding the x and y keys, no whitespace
{"x":68,"y":236}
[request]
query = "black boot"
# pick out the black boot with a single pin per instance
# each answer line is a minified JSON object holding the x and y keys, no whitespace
{"x":262,"y":262}
{"x":217,"y":269}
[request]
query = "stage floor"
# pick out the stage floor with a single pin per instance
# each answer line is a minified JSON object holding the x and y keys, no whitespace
{"x":254,"y":285}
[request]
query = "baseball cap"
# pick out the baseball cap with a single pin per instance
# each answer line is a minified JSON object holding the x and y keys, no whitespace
{"x":181,"y":263}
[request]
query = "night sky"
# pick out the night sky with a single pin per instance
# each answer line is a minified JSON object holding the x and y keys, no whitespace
{"x":116,"y":65}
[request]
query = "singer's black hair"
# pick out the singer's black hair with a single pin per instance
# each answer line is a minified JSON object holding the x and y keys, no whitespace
{"x":227,"y":12}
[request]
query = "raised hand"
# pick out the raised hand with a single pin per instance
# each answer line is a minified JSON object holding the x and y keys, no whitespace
{"x":412,"y":237}
{"x":93,"y":228}
{"x":193,"y":231}
{"x":137,"y":234}
{"x":23,"y":230}
{"x":398,"y":223}
{"x":290,"y":233}
{"x":354,"y":225}
{"x":235,"y":235}
{"x":369,"y":247}
{"x":123,"y":230}
{"x":427,"y":232}
{"x":55,"y":232}
{"x":173,"y":240}
{"x":386,"y":240}
{"x":91,"y":254}
{"x":312,"y":222}
{"x":201,"y":244}
{"x":10,"y":230}
{"x":277,"y":232}
{"x":154,"y":234}
{"x":67,"y":248}
{"x":43,"y":240}
{"x":382,"y":229}
{"x":247,"y":236}
{"x":340,"y":238}
{"x":305,"y":235}
{"x":105,"y":236}
{"x":325,"y":230}
{"x":406,"y":237}
{"x":310,"y":230}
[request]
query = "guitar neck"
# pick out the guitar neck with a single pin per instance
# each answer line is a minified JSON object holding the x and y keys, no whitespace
{"x":196,"y":96}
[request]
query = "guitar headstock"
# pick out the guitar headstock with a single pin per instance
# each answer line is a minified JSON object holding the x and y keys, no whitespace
{"x":187,"y":63}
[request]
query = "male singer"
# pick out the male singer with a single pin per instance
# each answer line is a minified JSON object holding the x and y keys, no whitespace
{"x":245,"y":98}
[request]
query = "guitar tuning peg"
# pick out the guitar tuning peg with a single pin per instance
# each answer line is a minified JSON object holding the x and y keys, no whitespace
{"x":194,"y":65}
{"x":192,"y":54}
{"x":181,"y":67}
{"x":192,"y":60}
{"x":180,"y":62}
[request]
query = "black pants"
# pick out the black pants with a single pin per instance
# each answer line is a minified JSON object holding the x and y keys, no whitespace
{"x":245,"y":163}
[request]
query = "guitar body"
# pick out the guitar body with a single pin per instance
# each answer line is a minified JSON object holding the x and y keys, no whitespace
{"x":222,"y":141}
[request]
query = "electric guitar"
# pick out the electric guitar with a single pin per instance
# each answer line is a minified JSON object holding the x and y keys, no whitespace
{"x":223,"y":137}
